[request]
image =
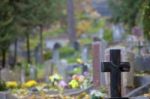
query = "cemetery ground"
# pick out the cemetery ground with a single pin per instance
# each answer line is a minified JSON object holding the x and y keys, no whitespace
{"x":81,"y":78}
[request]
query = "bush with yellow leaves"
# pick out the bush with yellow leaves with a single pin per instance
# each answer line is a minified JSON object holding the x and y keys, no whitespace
{"x":11,"y":84}
{"x":82,"y":27}
{"x":30,"y":83}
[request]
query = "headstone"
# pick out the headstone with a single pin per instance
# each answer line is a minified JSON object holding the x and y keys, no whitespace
{"x":9,"y":75}
{"x":33,"y":72}
{"x":22,"y":74}
{"x":48,"y":70}
{"x":115,"y":67}
{"x":96,"y":64}
{"x":117,"y":32}
{"x":64,"y":65}
{"x":130,"y":75}
{"x":127,"y":77}
{"x":131,"y":42}
{"x":37,"y":54}
{"x":84,"y":54}
{"x":101,"y":33}
{"x":142,"y":63}
{"x":56,"y":56}
{"x":76,"y":45}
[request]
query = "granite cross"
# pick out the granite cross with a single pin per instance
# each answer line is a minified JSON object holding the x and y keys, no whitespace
{"x":115,"y":67}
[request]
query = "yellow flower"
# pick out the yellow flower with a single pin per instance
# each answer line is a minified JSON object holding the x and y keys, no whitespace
{"x":74,"y":84}
{"x":11,"y":84}
{"x":79,"y":61}
{"x":30,"y":84}
{"x":55,"y":77}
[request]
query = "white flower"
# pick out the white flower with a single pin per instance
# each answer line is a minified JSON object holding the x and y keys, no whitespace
{"x":97,"y":93}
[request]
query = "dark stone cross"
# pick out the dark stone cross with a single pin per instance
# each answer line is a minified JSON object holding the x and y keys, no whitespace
{"x":115,"y":67}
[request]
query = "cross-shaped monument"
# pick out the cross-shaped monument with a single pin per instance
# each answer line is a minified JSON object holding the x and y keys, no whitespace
{"x":115,"y":67}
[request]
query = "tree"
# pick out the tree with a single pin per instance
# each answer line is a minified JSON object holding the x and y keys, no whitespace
{"x":146,"y":19}
{"x":52,"y":11}
{"x":19,"y":17}
{"x":8,"y":28}
{"x":125,"y":11}
{"x":71,"y":22}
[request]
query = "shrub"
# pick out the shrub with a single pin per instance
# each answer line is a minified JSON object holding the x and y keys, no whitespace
{"x":11,"y":84}
{"x":47,"y":55}
{"x":66,"y":52}
{"x":30,"y":84}
{"x":2,"y":86}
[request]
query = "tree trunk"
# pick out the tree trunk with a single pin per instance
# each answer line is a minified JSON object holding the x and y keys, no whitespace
{"x":15,"y":51}
{"x":41,"y":43}
{"x":3,"y":58}
{"x":71,"y":22}
{"x":28,"y":48}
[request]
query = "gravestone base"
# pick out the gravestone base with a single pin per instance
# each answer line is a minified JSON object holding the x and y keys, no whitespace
{"x":6,"y":95}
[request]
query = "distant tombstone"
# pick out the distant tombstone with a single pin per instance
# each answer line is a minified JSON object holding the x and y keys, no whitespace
{"x":101,"y":33}
{"x":8,"y":75}
{"x":56,"y":56}
{"x":22,"y":78}
{"x":33,"y":72}
{"x":140,"y":46}
{"x":142,"y":63}
{"x":76,"y":45}
{"x":63,"y":64}
{"x":84,"y":53}
{"x":117,"y":32}
{"x":130,"y":75}
{"x":11,"y":60}
{"x":131,"y":41}
{"x":48,"y":69}
{"x":37,"y":54}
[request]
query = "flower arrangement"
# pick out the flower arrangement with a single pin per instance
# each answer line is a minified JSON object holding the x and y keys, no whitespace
{"x":11,"y":84}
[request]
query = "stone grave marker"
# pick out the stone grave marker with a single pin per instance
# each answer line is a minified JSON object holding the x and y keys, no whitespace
{"x":47,"y":69}
{"x":96,"y":64}
{"x":115,"y":67}
{"x":64,"y":65}
{"x":22,"y":78}
{"x":37,"y":54}
{"x":56,"y":56}
{"x":84,"y":54}
{"x":33,"y":72}
{"x":9,"y":75}
{"x":127,"y":77}
{"x":140,"y":46}
{"x":118,"y":31}
{"x":130,"y":75}
{"x":142,"y":63}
